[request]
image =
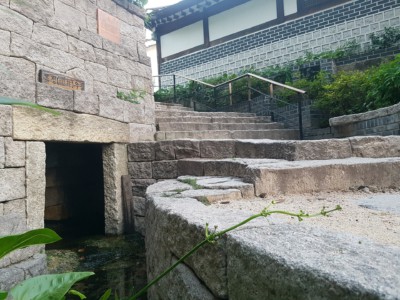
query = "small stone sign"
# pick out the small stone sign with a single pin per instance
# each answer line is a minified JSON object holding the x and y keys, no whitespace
{"x":108,"y":26}
{"x":61,"y":81}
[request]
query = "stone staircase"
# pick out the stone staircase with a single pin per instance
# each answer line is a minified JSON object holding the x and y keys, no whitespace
{"x":174,"y":121}
{"x":191,"y":171}
{"x":273,"y":167}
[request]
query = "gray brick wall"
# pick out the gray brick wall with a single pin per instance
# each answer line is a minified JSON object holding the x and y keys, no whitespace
{"x":384,"y":121}
{"x":286,"y":42}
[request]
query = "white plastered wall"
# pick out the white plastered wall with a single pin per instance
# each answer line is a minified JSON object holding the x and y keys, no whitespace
{"x":182,"y":39}
{"x":241,"y":17}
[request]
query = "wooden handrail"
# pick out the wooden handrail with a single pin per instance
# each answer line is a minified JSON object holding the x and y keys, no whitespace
{"x":240,"y":77}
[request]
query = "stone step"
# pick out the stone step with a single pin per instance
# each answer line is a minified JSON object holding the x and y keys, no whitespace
{"x":274,"y":177}
{"x":205,"y":189}
{"x":211,"y":119}
{"x":191,"y":126}
{"x":177,"y":113}
{"x":374,"y":147}
{"x":276,"y":134}
{"x":172,"y":106}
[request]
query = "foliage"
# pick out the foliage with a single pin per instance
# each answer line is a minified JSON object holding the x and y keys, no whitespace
{"x":131,"y":96}
{"x":192,"y":182}
{"x":33,"y":237}
{"x":345,"y":95}
{"x":211,"y":238}
{"x":140,"y":3}
{"x":388,"y":38}
{"x":385,"y":85}
{"x":53,"y":286}
{"x":347,"y":49}
{"x":9,"y":101}
{"x":45,"y":287}
{"x":313,"y":87}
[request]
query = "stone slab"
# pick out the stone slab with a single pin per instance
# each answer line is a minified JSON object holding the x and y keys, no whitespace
{"x":2,"y":153}
{"x":12,"y":182}
{"x":375,"y":146}
{"x":86,"y":103}
{"x":208,"y":196}
{"x":115,"y":165}
{"x":139,"y":186}
{"x":165,"y":169}
{"x":217,"y":149}
{"x":141,"y":151}
{"x":140,"y":170}
{"x":14,"y":153}
{"x":35,"y":184}
{"x":273,"y":176}
{"x":5,"y":120}
{"x":322,"y":149}
{"x":222,"y":183}
{"x":165,"y":150}
{"x":30,"y":124}
{"x":323,"y":175}
{"x":386,"y":203}
{"x":141,"y":132}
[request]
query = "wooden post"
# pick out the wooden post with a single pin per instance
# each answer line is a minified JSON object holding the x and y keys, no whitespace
{"x":127,"y":204}
{"x":230,"y":94}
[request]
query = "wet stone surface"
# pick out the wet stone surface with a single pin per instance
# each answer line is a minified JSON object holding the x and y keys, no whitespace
{"x":118,"y":262}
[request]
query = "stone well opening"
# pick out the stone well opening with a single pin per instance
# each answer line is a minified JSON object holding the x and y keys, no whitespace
{"x":74,"y":197}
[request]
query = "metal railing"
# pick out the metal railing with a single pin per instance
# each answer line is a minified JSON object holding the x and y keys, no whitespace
{"x":224,"y":96}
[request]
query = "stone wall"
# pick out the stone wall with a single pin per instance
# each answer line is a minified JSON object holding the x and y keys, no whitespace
{"x":318,"y":32}
{"x":22,"y":186}
{"x":63,"y":38}
{"x":383,"y":121}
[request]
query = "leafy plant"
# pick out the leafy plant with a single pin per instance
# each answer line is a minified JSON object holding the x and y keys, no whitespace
{"x":10,"y":101}
{"x":345,"y":95}
{"x":385,"y":85}
{"x":215,"y":236}
{"x":192,"y":182}
{"x":131,"y":96}
{"x":53,"y":286}
{"x":34,"y":237}
{"x":388,"y":38}
{"x":140,"y":3}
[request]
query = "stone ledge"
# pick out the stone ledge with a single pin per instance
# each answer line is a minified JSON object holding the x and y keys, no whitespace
{"x":274,"y":259}
{"x":30,"y":124}
{"x":348,"y":119}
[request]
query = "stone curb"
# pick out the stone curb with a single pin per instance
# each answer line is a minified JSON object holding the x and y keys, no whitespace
{"x":273,"y":260}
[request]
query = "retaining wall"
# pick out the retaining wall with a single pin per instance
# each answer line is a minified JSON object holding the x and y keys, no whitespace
{"x":383,"y":121}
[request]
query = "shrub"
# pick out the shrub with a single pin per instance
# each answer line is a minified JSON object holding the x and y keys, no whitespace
{"x":385,"y":85}
{"x":388,"y":38}
{"x":346,"y":94}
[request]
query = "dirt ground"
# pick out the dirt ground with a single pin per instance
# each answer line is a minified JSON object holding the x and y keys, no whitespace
{"x":380,"y":226}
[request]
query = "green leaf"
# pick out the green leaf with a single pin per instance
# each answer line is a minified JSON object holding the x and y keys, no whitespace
{"x":47,"y":287}
{"x":106,"y":295}
{"x":3,"y":295}
{"x":76,"y":293}
{"x":9,"y":101}
{"x":33,"y":237}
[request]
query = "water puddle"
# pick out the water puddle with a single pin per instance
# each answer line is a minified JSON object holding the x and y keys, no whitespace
{"x":119,"y":263}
